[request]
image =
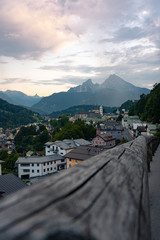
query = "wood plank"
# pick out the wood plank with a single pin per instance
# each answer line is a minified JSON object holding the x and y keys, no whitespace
{"x":104,"y":197}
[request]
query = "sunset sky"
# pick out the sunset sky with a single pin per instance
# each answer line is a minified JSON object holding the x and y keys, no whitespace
{"x":48,"y":46}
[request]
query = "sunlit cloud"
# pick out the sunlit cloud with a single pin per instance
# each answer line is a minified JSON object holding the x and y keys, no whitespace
{"x":57,"y":44}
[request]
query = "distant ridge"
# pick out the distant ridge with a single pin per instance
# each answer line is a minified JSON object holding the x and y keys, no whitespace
{"x":13,"y":116}
{"x":19,"y":98}
{"x":112,"y":92}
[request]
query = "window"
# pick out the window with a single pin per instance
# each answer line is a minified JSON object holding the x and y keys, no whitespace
{"x":26,"y":170}
{"x":48,"y":169}
{"x":76,"y":161}
{"x":37,"y":164}
{"x":54,"y":162}
{"x":44,"y":170}
{"x":32,"y":164}
{"x":47,"y":163}
{"x":37,"y":171}
{"x":62,"y":160}
{"x":70,"y":160}
{"x":44,"y":164}
{"x":25,"y":164}
{"x":51,"y":168}
{"x":32,"y":171}
{"x":70,"y":165}
{"x":55,"y":168}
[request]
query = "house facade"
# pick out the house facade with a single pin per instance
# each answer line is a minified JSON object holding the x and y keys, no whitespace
{"x":64,"y":146}
{"x":110,"y":128}
{"x":29,"y":167}
{"x":81,"y":154}
{"x":104,"y":140}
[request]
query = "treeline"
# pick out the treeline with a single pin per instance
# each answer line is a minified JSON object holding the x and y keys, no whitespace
{"x":63,"y":129}
{"x":31,"y":139}
{"x":9,"y":161}
{"x":148,"y":107}
{"x":12,"y":116}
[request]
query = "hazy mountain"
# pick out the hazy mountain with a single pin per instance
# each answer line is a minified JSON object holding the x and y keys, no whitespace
{"x":87,"y":86}
{"x":14,"y":116}
{"x":112,"y":92}
{"x":19,"y":98}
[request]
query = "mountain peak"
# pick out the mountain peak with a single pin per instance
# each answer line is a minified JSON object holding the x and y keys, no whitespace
{"x":87,"y":86}
{"x":115,"y":82}
{"x":88,"y":82}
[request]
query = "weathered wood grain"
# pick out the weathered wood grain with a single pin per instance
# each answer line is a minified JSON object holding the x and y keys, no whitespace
{"x":103,"y":198}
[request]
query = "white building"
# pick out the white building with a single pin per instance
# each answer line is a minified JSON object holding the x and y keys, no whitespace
{"x":35,"y":166}
{"x":63,"y":147}
{"x":101,"y":110}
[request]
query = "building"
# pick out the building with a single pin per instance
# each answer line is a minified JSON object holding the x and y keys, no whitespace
{"x":29,"y":167}
{"x":9,"y":183}
{"x":110,"y":128}
{"x":128,"y":121}
{"x":104,"y":140}
{"x":81,"y":154}
{"x":64,"y":146}
{"x":152,"y":128}
{"x":101,"y":110}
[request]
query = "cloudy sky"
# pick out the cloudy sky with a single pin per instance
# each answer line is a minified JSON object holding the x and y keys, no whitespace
{"x":48,"y":46}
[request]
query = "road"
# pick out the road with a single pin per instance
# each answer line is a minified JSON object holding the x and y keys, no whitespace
{"x":126,"y":134}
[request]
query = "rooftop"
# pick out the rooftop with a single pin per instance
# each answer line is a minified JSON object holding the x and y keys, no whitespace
{"x":39,"y":159}
{"x":9,"y":183}
{"x":84,"y":152}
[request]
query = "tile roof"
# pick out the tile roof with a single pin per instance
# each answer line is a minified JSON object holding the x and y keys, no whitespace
{"x":39,"y":159}
{"x":68,"y":143}
{"x":84,"y":152}
{"x":9,"y":183}
{"x":81,"y":142}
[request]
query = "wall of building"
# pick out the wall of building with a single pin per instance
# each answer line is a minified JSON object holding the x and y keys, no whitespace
{"x":72,"y":162}
{"x":39,"y":169}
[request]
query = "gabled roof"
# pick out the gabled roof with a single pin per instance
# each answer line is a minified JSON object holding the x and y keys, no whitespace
{"x":39,"y":159}
{"x":9,"y":183}
{"x":105,"y":137}
{"x":68,"y":143}
{"x":84,"y":152}
{"x":81,"y":142}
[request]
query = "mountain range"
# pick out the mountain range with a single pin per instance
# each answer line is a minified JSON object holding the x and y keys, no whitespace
{"x":112,"y":92}
{"x":19,"y":98}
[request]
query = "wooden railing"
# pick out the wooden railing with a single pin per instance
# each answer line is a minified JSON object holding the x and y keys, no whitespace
{"x":104,"y":198}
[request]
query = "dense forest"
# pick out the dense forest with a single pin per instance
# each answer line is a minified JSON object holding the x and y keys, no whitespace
{"x":148,"y":107}
{"x":127,"y":105}
{"x":12,"y":116}
{"x":63,"y":129}
{"x":31,"y":139}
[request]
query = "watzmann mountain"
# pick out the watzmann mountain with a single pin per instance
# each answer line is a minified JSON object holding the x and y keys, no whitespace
{"x":112,"y":92}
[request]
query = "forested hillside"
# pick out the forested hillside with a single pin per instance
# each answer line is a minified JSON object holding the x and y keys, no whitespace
{"x":81,"y":109}
{"x":148,"y":107}
{"x":13,"y":116}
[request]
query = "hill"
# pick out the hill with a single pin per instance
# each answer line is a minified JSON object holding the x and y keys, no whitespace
{"x":13,"y":116}
{"x":113,"y":92}
{"x":80,"y":109}
{"x":19,"y":98}
{"x":148,"y":107}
